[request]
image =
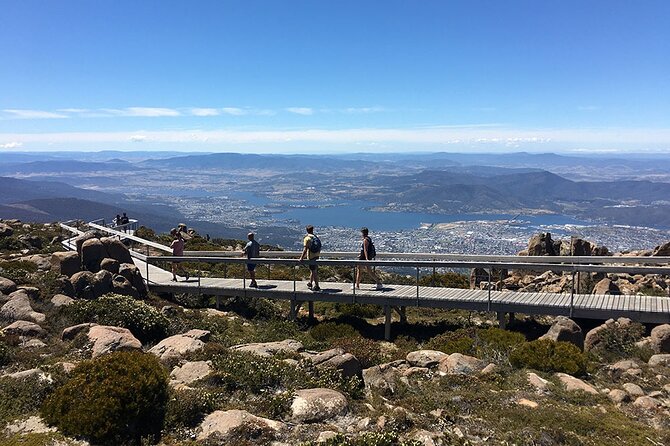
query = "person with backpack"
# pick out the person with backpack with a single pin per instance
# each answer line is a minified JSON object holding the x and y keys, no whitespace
{"x":252,"y":249}
{"x":311,"y":250}
{"x":368,"y":252}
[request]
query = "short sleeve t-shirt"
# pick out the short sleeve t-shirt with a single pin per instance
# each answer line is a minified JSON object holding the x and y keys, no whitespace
{"x":252,"y":249}
{"x":306,"y":242}
{"x":177,"y":247}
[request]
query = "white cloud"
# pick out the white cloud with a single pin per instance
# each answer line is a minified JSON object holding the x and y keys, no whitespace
{"x":362,"y":110}
{"x":301,"y":110}
{"x":138,"y":138}
{"x":11,"y":145}
{"x":143,"y":112}
{"x":205,"y":112}
{"x":73,"y":110}
{"x":235,"y":111}
{"x":33,"y":114}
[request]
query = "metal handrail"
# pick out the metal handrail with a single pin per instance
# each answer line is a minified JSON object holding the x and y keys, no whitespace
{"x":131,"y":237}
{"x":570,"y":267}
{"x":580,"y":260}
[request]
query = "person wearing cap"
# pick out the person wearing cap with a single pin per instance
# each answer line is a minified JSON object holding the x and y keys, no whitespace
{"x":368,"y":252}
{"x":177,"y":246}
{"x":252,"y":250}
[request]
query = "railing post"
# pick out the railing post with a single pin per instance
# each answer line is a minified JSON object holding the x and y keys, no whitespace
{"x":488,"y":305}
{"x":387,"y":322}
{"x":353,"y":285}
{"x":225,"y":270}
{"x":244,"y":279}
{"x":572,"y":294}
{"x":269,"y":271}
{"x":432,"y":280}
{"x":417,"y":287}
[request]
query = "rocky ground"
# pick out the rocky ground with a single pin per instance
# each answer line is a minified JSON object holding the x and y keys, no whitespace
{"x":246,"y":375}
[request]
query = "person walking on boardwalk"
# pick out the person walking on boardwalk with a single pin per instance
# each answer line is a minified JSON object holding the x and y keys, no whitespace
{"x":311,"y":250}
{"x":177,"y":246}
{"x":368,"y":252}
{"x":252,"y":249}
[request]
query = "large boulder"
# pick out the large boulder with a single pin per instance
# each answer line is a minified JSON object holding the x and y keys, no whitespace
{"x":133,"y":275}
{"x":566,"y":330}
{"x":7,"y":286}
{"x":92,"y":253}
{"x":425,"y":358}
{"x":40,"y":261}
{"x":18,"y":308}
{"x":102,"y":283}
{"x":6,"y":230}
{"x":268,"y":349}
{"x":573,"y":384}
{"x":220,"y":424}
{"x":61,"y":300}
{"x":541,"y":245}
{"x":459,"y":364}
{"x":79,"y":241}
{"x":190,"y":372}
{"x":660,"y":339}
{"x":606,"y":286}
{"x":337,"y":359}
{"x":70,"y":333}
{"x":110,"y":265}
{"x":82,"y":282}
{"x":120,"y":285}
{"x":662,"y":250}
{"x":24,"y":328}
{"x":383,"y":377}
{"x":181,"y":344}
{"x":31,"y":241}
{"x":116,"y":250}
{"x":108,"y":339}
{"x":662,"y":360}
{"x":313,"y":405}
{"x":66,"y":263}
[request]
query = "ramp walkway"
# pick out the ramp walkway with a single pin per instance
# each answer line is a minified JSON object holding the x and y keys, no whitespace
{"x":642,"y":308}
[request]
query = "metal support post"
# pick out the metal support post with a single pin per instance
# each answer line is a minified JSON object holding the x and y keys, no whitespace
{"x":417,"y":286}
{"x":489,"y":290}
{"x":501,"y":320}
{"x":311,"y":309}
{"x":572,"y":294}
{"x":353,"y":285}
{"x":387,"y":322}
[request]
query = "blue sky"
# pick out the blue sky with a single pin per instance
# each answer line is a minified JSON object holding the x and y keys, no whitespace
{"x":316,"y":76}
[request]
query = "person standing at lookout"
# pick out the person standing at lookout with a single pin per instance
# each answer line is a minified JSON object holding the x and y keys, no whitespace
{"x":311,"y":250}
{"x":368,"y":252}
{"x":177,"y":246}
{"x":252,"y":249}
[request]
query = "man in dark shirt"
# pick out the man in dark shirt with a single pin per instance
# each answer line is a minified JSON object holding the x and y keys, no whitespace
{"x":252,"y":249}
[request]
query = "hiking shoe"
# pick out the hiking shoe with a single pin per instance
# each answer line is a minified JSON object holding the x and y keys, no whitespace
{"x":316,"y":288}
{"x":187,"y":275}
{"x":253,"y":285}
{"x":379,"y":286}
{"x":309,"y":285}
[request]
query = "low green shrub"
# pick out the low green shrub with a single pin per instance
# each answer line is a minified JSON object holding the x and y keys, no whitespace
{"x":367,"y":351}
{"x":619,"y":341}
{"x":188,"y":407}
{"x":5,"y":354}
{"x":147,"y":323}
{"x":459,"y":341}
{"x":369,"y":439}
{"x":364,"y":311}
{"x":246,"y":372}
{"x":20,"y":397}
{"x":499,"y":340}
{"x":327,"y":331}
{"x":19,"y":271}
{"x":114,"y":399}
{"x":547,"y":355}
{"x":278,"y":330}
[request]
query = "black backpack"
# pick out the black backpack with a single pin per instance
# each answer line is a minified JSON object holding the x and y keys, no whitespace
{"x":372,"y":252}
{"x":315,"y":244}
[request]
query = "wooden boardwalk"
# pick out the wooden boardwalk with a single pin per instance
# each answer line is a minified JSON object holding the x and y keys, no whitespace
{"x":646,"y":309}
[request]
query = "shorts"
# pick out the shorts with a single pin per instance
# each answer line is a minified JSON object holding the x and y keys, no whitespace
{"x":313,"y":267}
{"x":251,"y":267}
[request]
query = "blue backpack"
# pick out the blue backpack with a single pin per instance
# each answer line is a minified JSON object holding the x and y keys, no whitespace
{"x":315,"y":244}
